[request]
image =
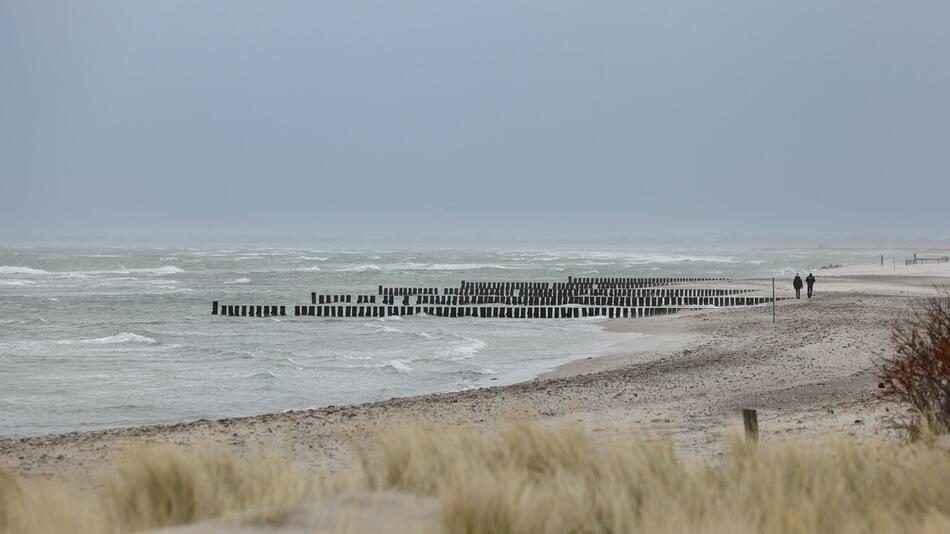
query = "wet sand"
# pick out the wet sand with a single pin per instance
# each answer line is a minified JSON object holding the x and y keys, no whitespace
{"x":686,"y":379}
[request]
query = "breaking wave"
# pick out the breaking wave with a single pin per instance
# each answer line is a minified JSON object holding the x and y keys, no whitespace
{"x":238,"y":281}
{"x":467,"y":347}
{"x":12,"y":269}
{"x":17,"y":283}
{"x":398,"y":365}
{"x":124,"y":337}
{"x":359,"y":269}
{"x":166,"y":269}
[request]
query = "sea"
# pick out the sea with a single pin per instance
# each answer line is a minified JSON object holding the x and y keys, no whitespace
{"x":103,"y":337}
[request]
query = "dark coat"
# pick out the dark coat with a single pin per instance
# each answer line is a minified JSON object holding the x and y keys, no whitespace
{"x":797,"y":283}
{"x":810,"y":280}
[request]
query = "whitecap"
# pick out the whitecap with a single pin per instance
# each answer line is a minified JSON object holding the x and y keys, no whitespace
{"x":359,"y":269}
{"x":389,"y":329}
{"x":312,"y":258}
{"x":264,"y":375}
{"x":160,"y":271}
{"x":443,"y":266}
{"x":12,"y":269}
{"x":17,"y":283}
{"x":166,"y":269}
{"x":124,"y":337}
{"x":398,"y":365}
{"x":468,"y":347}
{"x":238,"y":281}
{"x":311,"y":269}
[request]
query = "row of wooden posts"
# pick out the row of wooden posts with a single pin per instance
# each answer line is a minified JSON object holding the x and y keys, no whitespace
{"x":234,"y":310}
{"x":583,"y":291}
{"x":667,"y":300}
{"x":512,"y":312}
{"x":573,"y":285}
{"x":544,"y":312}
{"x":578,"y":297}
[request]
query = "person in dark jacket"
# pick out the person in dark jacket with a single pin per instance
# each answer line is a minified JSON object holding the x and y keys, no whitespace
{"x":811,"y":283}
{"x":797,"y":284}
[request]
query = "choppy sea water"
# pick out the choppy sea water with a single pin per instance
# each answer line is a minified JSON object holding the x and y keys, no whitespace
{"x":95,"y":338}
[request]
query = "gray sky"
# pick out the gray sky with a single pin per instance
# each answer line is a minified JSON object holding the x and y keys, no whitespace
{"x":499,"y":120}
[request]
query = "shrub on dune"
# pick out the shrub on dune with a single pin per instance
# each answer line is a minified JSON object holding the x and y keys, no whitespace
{"x":919,"y":372}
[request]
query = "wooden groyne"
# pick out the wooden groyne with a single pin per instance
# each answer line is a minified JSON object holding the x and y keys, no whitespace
{"x":576,"y":298}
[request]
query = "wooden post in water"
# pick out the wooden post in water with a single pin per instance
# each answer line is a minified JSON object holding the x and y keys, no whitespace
{"x":214,"y":307}
{"x":751,"y":422}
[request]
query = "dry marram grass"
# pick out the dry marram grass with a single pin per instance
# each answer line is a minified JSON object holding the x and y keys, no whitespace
{"x":525,"y":478}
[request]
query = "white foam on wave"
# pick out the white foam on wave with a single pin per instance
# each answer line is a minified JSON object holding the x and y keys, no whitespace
{"x":265,"y":375}
{"x":124,"y":337}
{"x":359,"y":269}
{"x":165,"y":269}
{"x":389,"y":329}
{"x":311,"y":269}
{"x":17,"y":283}
{"x":410,"y":266}
{"x":13,"y":269}
{"x":238,"y":281}
{"x":159,"y":271}
{"x":463,"y":266}
{"x":467,"y":347}
{"x":399,"y":365}
{"x":313,"y":258}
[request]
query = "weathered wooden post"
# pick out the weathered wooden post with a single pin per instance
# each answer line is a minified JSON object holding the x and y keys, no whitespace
{"x":214,"y":307}
{"x":773,"y":300}
{"x":751,"y":422}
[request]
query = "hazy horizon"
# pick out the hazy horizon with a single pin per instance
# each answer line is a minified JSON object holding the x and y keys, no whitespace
{"x":732,"y":122}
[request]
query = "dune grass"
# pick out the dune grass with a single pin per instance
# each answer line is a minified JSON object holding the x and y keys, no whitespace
{"x":523,"y":478}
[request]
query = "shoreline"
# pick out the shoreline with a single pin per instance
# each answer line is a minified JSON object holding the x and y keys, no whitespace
{"x":809,"y":374}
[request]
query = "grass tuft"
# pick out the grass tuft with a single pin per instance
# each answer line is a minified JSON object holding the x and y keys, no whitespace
{"x":522,"y":477}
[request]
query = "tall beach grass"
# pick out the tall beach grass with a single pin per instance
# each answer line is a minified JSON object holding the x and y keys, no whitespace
{"x":521,"y":478}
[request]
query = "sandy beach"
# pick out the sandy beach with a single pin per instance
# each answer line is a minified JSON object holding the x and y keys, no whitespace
{"x":686,"y":379}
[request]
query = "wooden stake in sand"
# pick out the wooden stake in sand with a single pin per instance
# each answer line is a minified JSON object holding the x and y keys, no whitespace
{"x":773,"y":300}
{"x":751,"y":421}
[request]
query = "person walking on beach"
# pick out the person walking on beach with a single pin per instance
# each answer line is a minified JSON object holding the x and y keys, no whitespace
{"x":797,"y":284}
{"x":811,"y":283}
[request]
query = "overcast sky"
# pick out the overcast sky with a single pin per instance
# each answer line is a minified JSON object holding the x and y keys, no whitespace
{"x":502,"y":120}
